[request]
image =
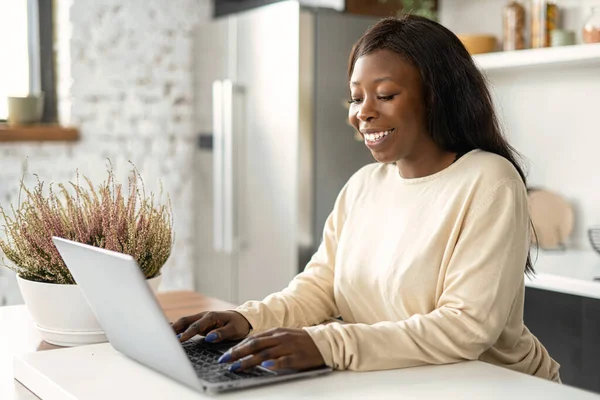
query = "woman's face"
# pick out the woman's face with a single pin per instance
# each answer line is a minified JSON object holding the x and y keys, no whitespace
{"x":387,"y":105}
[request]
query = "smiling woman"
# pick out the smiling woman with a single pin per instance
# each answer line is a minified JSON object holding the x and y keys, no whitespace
{"x":424,"y":254}
{"x":387,"y":98}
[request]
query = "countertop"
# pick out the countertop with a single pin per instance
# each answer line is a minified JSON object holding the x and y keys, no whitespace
{"x":83,"y":373}
{"x":570,"y":271}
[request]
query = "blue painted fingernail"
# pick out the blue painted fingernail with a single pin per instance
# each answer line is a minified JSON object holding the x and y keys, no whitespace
{"x":211,"y":337}
{"x":237,"y":365}
{"x":268,"y":363}
{"x":225,"y":358}
{"x":178,"y":335}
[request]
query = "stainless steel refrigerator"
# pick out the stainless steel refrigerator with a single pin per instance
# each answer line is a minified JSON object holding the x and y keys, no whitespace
{"x":271,"y":89}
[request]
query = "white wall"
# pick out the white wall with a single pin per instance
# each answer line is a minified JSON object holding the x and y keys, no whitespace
{"x":550,"y":114}
{"x":125,"y":79}
{"x":551,"y":117}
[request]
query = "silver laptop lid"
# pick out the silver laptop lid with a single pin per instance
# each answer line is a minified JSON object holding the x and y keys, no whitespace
{"x":127,"y":309}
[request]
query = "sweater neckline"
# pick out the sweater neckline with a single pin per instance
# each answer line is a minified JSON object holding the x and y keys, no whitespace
{"x":423,"y":179}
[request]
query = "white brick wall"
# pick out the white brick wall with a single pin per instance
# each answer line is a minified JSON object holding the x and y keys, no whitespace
{"x":125,"y":79}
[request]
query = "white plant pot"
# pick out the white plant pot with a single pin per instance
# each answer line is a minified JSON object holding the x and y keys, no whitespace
{"x":62,"y":314}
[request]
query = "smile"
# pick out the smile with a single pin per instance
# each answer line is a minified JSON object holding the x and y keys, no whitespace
{"x":377,"y":140}
{"x":376,"y":136}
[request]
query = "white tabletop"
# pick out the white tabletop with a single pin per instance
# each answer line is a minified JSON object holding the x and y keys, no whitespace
{"x":17,"y":336}
{"x":99,"y":372}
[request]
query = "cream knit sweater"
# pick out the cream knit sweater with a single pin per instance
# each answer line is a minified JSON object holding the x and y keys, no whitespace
{"x":421,"y":271}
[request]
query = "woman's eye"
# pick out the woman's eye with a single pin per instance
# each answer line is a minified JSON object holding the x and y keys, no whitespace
{"x":357,"y":100}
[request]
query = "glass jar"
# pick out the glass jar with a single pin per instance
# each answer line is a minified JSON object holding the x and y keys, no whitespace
{"x":513,"y":26}
{"x":562,"y":37}
{"x":591,"y":29}
{"x":544,"y":19}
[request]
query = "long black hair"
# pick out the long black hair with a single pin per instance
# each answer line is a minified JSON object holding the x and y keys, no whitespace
{"x":459,"y":108}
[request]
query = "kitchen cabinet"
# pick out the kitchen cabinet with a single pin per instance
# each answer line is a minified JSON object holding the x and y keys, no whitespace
{"x":591,"y":343}
{"x":569,"y":327}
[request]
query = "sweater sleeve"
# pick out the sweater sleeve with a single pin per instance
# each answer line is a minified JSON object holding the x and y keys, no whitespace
{"x":308,"y":299}
{"x":482,"y":279}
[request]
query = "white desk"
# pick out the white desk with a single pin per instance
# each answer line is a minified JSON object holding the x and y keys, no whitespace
{"x":117,"y":377}
{"x":17,"y":336}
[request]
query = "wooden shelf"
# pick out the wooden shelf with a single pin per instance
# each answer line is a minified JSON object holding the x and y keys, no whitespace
{"x":37,"y":133}
{"x":582,"y":54}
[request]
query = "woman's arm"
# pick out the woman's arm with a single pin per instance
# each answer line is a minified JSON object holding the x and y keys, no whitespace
{"x":481,"y":283}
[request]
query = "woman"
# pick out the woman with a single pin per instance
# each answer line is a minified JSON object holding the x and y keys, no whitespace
{"x":424,"y":253}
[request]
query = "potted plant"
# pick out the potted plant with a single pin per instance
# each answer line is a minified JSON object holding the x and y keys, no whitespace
{"x":101,"y":217}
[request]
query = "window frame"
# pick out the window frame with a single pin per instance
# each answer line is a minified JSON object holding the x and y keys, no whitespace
{"x":47,"y":60}
{"x":46,"y":14}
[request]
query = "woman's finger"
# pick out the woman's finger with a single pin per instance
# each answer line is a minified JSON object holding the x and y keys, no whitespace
{"x":226,"y":332}
{"x":269,"y":353}
{"x":283,"y":364}
{"x":183,"y":323}
{"x":208,"y":322}
{"x":270,"y":332}
{"x":251,"y":347}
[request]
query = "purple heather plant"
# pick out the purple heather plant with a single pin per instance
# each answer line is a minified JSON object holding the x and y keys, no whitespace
{"x":103,"y":218}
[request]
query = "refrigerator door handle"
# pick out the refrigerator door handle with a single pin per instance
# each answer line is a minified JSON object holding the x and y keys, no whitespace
{"x":223,"y":166}
{"x":228,"y":167}
{"x":217,"y":165}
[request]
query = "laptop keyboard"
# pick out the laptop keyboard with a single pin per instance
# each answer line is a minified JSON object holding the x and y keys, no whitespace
{"x":205,"y":362}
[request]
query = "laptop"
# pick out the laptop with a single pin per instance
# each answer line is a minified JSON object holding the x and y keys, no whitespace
{"x":136,"y":326}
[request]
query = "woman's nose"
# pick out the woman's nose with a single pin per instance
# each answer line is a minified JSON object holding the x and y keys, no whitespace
{"x":367,"y":111}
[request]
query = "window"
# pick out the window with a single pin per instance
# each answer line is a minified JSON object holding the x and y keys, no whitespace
{"x":27,"y":55}
{"x":14,"y":68}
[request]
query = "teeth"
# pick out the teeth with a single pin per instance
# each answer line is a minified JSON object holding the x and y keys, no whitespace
{"x":376,"y":136}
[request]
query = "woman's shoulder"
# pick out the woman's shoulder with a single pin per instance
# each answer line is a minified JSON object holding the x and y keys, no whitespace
{"x":483,"y":176}
{"x":488,"y":168}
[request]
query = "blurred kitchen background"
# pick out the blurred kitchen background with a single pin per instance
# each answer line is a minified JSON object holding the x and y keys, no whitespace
{"x":238,"y":107}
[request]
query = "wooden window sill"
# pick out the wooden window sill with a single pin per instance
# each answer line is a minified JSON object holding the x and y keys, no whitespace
{"x":38,"y":133}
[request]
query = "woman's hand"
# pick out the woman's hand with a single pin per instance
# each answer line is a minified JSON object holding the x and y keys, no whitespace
{"x":215,"y":326}
{"x":277,"y":349}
